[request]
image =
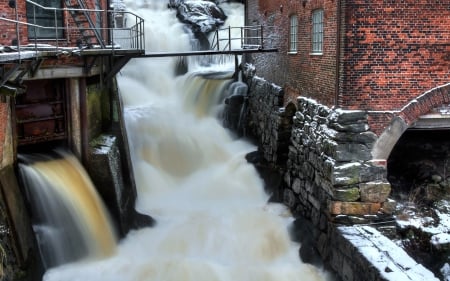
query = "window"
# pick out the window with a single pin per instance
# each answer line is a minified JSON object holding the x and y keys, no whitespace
{"x":46,"y":18}
{"x":317,"y":31}
{"x":293,"y":34}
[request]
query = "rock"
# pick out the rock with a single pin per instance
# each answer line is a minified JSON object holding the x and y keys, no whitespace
{"x":374,"y":192}
{"x":350,"y":194}
{"x":202,"y":16}
{"x":352,"y":128}
{"x":346,"y":174}
{"x":436,"y":178}
{"x":309,"y":254}
{"x":389,"y":207}
{"x":434,"y":192}
{"x":352,"y":152}
{"x":441,"y":241}
{"x":348,"y":116}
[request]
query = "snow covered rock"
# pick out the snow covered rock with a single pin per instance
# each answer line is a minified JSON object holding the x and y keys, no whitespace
{"x":202,"y":16}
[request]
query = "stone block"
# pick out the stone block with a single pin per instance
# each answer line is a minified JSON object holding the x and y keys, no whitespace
{"x":348,"y":116}
{"x":346,"y":174}
{"x":289,"y":198}
{"x":347,"y":194}
{"x":389,"y":206}
{"x":352,"y":128}
{"x":353,"y":208}
{"x":346,"y":137}
{"x":352,"y":152}
{"x":376,"y":191}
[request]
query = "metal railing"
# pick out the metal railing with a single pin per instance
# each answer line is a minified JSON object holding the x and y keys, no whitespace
{"x":245,"y":37}
{"x":119,"y":29}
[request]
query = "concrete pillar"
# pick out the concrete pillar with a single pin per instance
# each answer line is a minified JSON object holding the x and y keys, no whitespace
{"x":74,"y":123}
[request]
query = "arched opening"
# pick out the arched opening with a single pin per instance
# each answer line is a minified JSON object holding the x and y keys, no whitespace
{"x":419,"y":172}
{"x":419,"y":160}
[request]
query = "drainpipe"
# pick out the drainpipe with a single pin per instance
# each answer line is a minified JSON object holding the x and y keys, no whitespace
{"x":338,"y":51}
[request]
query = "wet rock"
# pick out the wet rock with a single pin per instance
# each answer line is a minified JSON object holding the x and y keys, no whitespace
{"x":141,"y":220}
{"x":201,"y":16}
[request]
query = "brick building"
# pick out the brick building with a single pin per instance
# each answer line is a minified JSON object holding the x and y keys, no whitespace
{"x":390,"y":58}
{"x":351,"y":108}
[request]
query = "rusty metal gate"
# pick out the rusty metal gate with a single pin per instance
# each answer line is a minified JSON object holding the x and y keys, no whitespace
{"x":41,"y":112}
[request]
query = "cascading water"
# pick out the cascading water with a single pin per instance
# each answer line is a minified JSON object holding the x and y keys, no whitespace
{"x":213,"y":219}
{"x":69,"y":219}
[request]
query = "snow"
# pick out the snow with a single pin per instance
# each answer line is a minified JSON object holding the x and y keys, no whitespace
{"x":440,"y":239}
{"x":391,"y":261}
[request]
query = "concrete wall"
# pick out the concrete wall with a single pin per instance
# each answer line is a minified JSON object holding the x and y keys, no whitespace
{"x":18,"y":252}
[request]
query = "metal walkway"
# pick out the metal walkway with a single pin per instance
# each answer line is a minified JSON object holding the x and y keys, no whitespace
{"x":118,"y":42}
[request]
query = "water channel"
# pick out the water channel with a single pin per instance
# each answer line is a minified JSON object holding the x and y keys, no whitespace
{"x":214,"y":221}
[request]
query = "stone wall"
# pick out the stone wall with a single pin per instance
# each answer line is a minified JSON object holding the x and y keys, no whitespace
{"x":325,"y":154}
{"x":329,"y":175}
{"x":267,"y":121}
{"x":330,"y":170}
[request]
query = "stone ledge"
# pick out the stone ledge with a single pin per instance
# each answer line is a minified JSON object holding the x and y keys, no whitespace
{"x":366,"y":248}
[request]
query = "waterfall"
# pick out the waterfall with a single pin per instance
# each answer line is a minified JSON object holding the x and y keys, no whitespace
{"x":214,"y":221}
{"x":69,"y":219}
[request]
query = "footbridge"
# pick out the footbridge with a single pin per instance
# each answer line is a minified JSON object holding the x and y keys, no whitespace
{"x":116,"y":41}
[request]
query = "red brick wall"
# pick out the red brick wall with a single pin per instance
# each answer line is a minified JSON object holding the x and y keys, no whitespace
{"x":394,"y":52}
{"x":303,"y":74}
{"x":8,"y":30}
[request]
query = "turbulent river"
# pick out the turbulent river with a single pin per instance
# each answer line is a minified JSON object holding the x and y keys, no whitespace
{"x":213,"y":219}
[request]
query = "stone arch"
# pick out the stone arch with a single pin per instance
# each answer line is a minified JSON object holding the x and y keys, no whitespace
{"x":406,"y":117}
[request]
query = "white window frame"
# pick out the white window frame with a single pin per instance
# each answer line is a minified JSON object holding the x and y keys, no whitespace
{"x":317,"y":32}
{"x":293,"y":34}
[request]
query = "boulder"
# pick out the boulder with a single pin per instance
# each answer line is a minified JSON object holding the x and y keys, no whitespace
{"x":201,"y":16}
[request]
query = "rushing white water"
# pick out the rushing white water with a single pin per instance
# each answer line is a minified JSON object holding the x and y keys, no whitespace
{"x":69,"y":218}
{"x":213,"y":219}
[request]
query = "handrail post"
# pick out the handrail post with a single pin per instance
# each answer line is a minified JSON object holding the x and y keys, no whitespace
{"x":17,"y":31}
{"x":56,"y":29}
{"x":229,"y":38}
{"x":143,"y":33}
{"x":35,"y":32}
{"x":113,"y":25}
{"x":262,"y":37}
{"x":217,"y":38}
{"x":242,"y":37}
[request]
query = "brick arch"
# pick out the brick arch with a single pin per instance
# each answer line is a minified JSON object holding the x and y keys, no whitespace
{"x":425,"y":103}
{"x":419,"y":106}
